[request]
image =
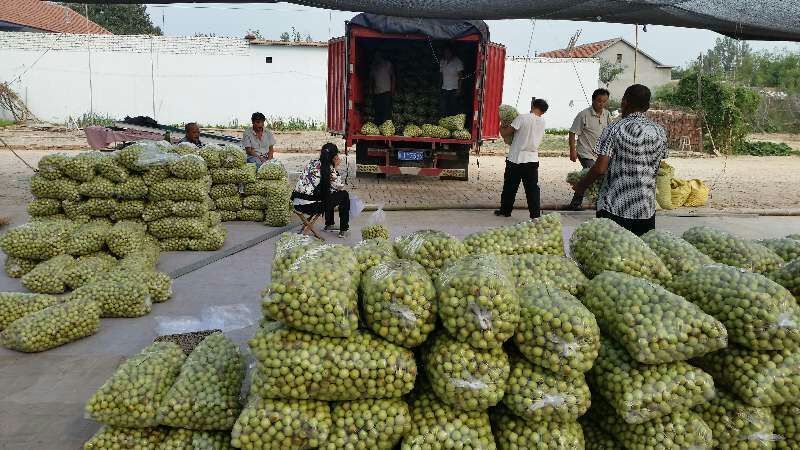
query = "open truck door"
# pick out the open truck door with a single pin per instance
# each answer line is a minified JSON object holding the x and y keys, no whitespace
{"x":491,"y":96}
{"x":337,"y":86}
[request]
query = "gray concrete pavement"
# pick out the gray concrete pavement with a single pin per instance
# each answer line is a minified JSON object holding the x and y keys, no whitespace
{"x":42,"y":395}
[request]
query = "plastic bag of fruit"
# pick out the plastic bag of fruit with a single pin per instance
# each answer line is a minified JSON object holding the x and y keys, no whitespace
{"x":431,"y":248}
{"x":555,"y":271}
{"x":319,"y":293}
{"x":735,"y":424}
{"x":556,"y":330}
{"x":478,"y":302}
{"x":726,"y":248}
{"x":378,"y":424}
{"x":538,"y":395}
{"x":15,"y":305}
{"x":371,"y":252}
{"x":117,"y":298}
{"x":366,"y":367}
{"x":514,"y":433}
{"x":49,"y":276}
{"x":109,"y":437}
{"x":788,"y":276}
{"x":539,"y":236}
{"x":206,"y":394}
{"x":640,"y":392}
{"x":133,"y":394}
{"x":376,"y":226}
{"x":88,"y":238}
{"x":17,"y":267}
{"x":37,"y":240}
{"x":126,"y":237}
{"x":272,"y":170}
{"x":787,"y":426}
{"x":178,"y":227}
{"x":51,"y":327}
{"x":399,"y":302}
{"x":434,"y":424}
{"x":678,"y":255}
{"x":282,"y":424}
{"x":86,"y":267}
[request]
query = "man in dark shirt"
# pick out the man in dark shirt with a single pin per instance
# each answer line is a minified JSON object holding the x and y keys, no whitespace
{"x":628,"y":154}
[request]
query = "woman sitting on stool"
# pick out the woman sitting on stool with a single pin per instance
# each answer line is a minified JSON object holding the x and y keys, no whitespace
{"x":319,"y":190}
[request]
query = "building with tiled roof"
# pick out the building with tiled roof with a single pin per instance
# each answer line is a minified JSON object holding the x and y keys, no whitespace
{"x":45,"y":17}
{"x":649,"y":71}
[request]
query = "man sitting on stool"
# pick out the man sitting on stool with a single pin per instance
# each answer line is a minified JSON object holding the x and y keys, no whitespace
{"x":522,"y":162}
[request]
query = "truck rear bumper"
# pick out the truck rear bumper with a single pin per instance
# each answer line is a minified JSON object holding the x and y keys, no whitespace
{"x":418,"y":171}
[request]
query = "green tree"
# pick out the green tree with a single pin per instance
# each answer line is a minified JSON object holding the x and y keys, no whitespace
{"x":727,"y":56}
{"x":609,"y":72}
{"x":119,"y":19}
{"x":286,"y":37}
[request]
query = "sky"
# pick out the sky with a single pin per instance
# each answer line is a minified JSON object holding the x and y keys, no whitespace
{"x":670,"y":45}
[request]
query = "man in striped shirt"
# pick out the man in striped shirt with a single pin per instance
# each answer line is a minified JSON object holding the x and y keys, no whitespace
{"x":628,"y":154}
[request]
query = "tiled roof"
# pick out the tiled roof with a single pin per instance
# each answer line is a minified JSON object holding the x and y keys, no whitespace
{"x":47,"y":16}
{"x":581,"y":51}
{"x":287,"y":43}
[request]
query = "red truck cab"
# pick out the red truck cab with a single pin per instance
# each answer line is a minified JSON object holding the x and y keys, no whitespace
{"x":414,"y":47}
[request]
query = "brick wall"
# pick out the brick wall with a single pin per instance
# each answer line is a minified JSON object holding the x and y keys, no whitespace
{"x":124,"y":43}
{"x":684,"y":129}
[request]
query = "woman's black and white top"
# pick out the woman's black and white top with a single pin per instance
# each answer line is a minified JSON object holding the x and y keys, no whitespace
{"x":635,"y":146}
{"x":305,"y":191}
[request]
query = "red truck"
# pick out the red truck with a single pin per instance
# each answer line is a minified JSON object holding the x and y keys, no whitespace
{"x":414,"y":47}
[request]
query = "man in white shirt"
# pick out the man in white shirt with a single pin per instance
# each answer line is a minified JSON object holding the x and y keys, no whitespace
{"x":522,"y":162}
{"x":257,"y":141}
{"x":383,"y":84}
{"x":452,"y":70}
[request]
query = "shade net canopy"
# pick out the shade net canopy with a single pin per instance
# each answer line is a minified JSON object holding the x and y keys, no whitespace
{"x":743,"y":19}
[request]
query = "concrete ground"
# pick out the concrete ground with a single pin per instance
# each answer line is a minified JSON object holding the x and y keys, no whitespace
{"x":42,"y":395}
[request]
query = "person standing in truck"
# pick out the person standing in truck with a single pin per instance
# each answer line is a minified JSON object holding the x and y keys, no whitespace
{"x":452,"y":70}
{"x":584,"y":134}
{"x":382,"y":87}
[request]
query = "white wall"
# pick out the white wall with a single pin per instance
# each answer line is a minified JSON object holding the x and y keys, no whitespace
{"x":648,"y":73}
{"x":556,"y":80}
{"x":220,"y":80}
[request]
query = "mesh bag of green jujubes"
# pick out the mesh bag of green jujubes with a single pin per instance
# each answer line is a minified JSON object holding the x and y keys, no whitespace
{"x":232,"y":156}
{"x":640,"y":392}
{"x":556,"y":331}
{"x":760,"y":378}
{"x":143,"y":156}
{"x":53,"y":326}
{"x":271,"y":170}
{"x":255,"y":202}
{"x":514,"y":433}
{"x":436,"y":425}
{"x":430,"y":248}
{"x":88,"y":238}
{"x":237,"y":175}
{"x":267,"y":424}
{"x":213,"y":240}
{"x":108,"y":166}
{"x":132,"y":396}
{"x":319,"y":293}
{"x":788,"y":276}
{"x":538,"y":395}
{"x":478,"y":303}
{"x":128,"y":209}
{"x":174,"y":244}
{"x":260,"y":187}
{"x":145,"y":256}
{"x":787,"y":249}
{"x":654,"y":325}
{"x":14,"y":305}
{"x":49,"y":276}
{"x":289,"y":247}
{"x":99,"y":207}
{"x":60,"y":189}
{"x":167,"y":208}
{"x":399,"y":302}
{"x":279,"y":203}
{"x":210,"y":153}
{"x":736,"y":425}
{"x":728,"y":249}
{"x":176,"y":189}
{"x":225,"y":190}
{"x":229,"y":203}
{"x":371,"y":252}
{"x":86,"y":267}
{"x":97,"y":187}
{"x":188,"y":167}
{"x":181,"y":439}
{"x":109,"y":437}
{"x":42,"y":207}
{"x":126,"y":237}
{"x":453,"y":123}
{"x":596,"y":437}
{"x":17,"y":267}
{"x":600,"y":244}
{"x":214,"y":218}
{"x":250,"y":215}
{"x":155,"y":175}
{"x":758,"y":313}
{"x":178,"y":227}
{"x":593,"y":191}
{"x":373,"y":424}
{"x":678,"y":254}
{"x":134,"y":188}
{"x":554,"y":271}
{"x":158,"y":284}
{"x":680,"y":430}
{"x":333,"y":369}
{"x":787,"y":426}
{"x":80,"y":167}
{"x":465,"y":377}
{"x":539,"y":236}
{"x":117,"y":298}
{"x":206,"y":394}
{"x":51,"y":164}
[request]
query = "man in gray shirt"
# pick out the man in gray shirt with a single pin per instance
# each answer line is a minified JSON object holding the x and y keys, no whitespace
{"x":258,"y":141}
{"x":584,"y":134}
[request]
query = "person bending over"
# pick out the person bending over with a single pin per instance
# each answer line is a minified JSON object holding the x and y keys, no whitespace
{"x":257,"y":141}
{"x":319,"y":189}
{"x":522,"y":162}
{"x":628,"y":154}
